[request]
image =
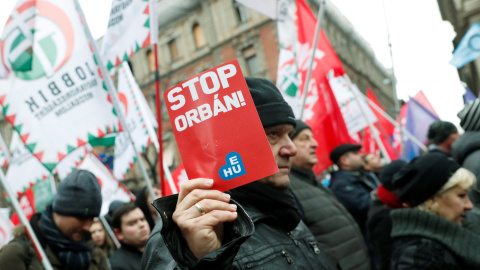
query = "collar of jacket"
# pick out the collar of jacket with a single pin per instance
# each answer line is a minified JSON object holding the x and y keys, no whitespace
{"x":235,"y":233}
{"x":462,"y":242}
{"x":305,"y":175}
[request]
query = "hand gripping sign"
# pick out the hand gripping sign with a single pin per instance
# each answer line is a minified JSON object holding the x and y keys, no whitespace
{"x":217,"y":128}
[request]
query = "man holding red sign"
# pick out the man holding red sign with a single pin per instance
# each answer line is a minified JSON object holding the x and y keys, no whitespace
{"x":256,"y":225}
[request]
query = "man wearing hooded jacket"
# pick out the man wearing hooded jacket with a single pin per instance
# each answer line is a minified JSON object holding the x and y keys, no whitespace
{"x":254,"y":226}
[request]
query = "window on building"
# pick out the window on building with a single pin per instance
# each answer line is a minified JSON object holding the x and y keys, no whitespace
{"x":198,"y":35}
{"x":252,"y":60}
{"x":151,"y":60}
{"x":240,"y":11}
{"x":172,"y":47}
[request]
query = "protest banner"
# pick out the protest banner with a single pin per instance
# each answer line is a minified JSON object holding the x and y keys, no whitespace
{"x":218,"y":130}
{"x":61,"y":103}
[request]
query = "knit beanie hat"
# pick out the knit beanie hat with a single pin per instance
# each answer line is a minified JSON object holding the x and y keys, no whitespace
{"x":271,"y":107}
{"x":470,"y":116}
{"x":387,"y":173}
{"x":299,"y":127}
{"x":440,"y":131}
{"x":78,"y":195}
{"x":423,"y":177}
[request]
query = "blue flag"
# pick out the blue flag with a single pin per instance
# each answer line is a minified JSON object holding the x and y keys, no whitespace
{"x":419,"y":120}
{"x":469,"y":47}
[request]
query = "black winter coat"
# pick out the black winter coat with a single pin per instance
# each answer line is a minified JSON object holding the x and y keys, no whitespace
{"x":331,"y":224}
{"x":126,"y":258}
{"x":252,"y":241}
{"x":466,"y":151}
{"x":379,"y":227}
{"x":425,"y":241}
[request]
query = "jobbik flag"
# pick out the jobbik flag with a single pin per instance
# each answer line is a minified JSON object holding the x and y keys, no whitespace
{"x":178,"y":177}
{"x":321,"y":109}
{"x":130,"y":95}
{"x":34,"y":200}
{"x":24,"y":170}
{"x":4,"y":158}
{"x":132,"y":25}
{"x":17,"y":39}
{"x":71,"y":162}
{"x":218,"y":130}
{"x":61,"y":103}
{"x":112,"y":189}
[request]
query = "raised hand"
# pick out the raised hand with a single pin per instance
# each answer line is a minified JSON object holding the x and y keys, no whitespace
{"x":200,"y":215}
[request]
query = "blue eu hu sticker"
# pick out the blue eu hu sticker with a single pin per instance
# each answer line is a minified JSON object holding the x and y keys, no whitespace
{"x":234,"y":167}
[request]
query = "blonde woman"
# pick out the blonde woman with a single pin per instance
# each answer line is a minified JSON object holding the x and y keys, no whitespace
{"x":430,"y":233}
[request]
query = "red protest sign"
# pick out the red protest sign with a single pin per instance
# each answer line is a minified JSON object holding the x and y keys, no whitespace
{"x":217,"y":128}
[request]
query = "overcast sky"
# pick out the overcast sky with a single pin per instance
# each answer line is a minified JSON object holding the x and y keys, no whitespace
{"x":421,"y":44}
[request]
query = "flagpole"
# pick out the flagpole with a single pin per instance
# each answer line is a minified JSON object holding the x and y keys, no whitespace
{"x":403,"y":131}
{"x":370,"y":125}
{"x":109,"y":231}
{"x":16,"y":206}
{"x":321,"y":11}
{"x":394,"y":88}
{"x":159,"y":119}
{"x":115,"y":100}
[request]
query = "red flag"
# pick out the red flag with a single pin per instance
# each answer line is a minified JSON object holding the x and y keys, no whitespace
{"x":385,"y":126}
{"x":172,"y":186}
{"x":422,"y":99}
{"x":321,"y":110}
{"x":369,"y":144}
{"x":27,"y":203}
{"x":397,"y":141}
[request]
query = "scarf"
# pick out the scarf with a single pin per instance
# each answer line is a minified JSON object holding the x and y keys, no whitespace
{"x":389,"y":198}
{"x":74,"y":255}
{"x":277,"y":202}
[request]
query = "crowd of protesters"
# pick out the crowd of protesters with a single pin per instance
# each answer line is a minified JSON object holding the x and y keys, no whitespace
{"x":401,"y":215}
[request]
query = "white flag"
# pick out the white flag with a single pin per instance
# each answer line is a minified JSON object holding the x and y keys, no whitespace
{"x":62,"y":102}
{"x":124,"y":153}
{"x":24,"y":170}
{"x":132,"y":26}
{"x":71,"y":162}
{"x":112,"y":189}
{"x":351,"y":111}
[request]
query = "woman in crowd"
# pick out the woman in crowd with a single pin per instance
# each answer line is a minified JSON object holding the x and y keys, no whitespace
{"x":100,"y":237}
{"x":431,"y":233}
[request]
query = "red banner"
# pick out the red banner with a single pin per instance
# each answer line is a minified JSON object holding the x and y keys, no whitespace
{"x":217,"y":128}
{"x":321,"y":110}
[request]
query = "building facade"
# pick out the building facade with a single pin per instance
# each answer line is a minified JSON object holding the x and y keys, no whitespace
{"x":462,"y":14}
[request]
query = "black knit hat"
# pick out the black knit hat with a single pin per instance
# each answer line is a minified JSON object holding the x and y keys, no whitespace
{"x":470,"y":116}
{"x":271,"y":107}
{"x":338,"y":151}
{"x":299,"y":127}
{"x":440,"y":131}
{"x":423,"y":177}
{"x":78,"y":195}
{"x":388,"y":171}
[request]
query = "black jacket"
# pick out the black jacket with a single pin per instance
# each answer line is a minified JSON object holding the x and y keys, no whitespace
{"x":253,"y":241}
{"x":425,"y":241}
{"x":379,"y":227}
{"x":331,"y":224}
{"x":466,"y":151}
{"x":353,"y":190}
{"x":126,"y":258}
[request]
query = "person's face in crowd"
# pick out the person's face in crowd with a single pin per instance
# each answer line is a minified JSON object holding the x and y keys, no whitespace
{"x":282,"y":149}
{"x":152,"y":209}
{"x":134,"y":229}
{"x":306,"y":156}
{"x":98,"y":233}
{"x":453,"y":204}
{"x":73,"y":228}
{"x":352,"y":161}
{"x":372,"y":163}
{"x":449,"y":141}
